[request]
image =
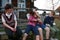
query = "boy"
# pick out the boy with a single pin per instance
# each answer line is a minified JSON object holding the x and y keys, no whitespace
{"x":10,"y":23}
{"x":49,"y":21}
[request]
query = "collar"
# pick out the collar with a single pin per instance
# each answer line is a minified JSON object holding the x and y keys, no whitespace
{"x":8,"y":14}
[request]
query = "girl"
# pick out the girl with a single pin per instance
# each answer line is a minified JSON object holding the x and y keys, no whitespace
{"x":41,"y":25}
{"x":31,"y":26}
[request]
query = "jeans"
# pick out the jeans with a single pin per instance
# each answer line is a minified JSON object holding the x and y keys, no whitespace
{"x":13,"y":36}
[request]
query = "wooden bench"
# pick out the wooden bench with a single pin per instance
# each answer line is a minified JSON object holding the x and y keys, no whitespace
{"x":2,"y":33}
{"x":21,"y":24}
{"x":1,"y":30}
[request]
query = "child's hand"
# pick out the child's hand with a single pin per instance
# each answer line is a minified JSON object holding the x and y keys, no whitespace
{"x":39,"y":20}
{"x":13,"y":29}
{"x":48,"y":25}
{"x":54,"y":23}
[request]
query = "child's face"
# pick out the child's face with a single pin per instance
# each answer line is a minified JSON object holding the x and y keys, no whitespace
{"x":9,"y":10}
{"x":50,"y":14}
{"x":35,"y":15}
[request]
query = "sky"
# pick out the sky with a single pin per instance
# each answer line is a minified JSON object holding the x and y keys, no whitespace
{"x":47,"y":4}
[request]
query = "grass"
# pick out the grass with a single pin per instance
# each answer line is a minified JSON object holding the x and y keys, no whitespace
{"x":58,"y":25}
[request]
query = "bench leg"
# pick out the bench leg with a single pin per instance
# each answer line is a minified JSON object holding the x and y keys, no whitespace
{"x":0,"y":37}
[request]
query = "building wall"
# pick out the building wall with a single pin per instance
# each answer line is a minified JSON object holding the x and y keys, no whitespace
{"x":4,"y":2}
{"x":19,"y":3}
{"x":0,"y":3}
{"x":14,"y":2}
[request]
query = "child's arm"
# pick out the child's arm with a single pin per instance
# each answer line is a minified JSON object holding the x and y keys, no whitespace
{"x":6,"y":25}
{"x":15,"y":21}
{"x":37,"y":14}
{"x":38,"y":17}
{"x":15,"y":24}
{"x":28,"y":16}
{"x":39,"y":20}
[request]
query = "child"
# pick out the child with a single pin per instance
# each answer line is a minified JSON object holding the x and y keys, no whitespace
{"x":10,"y":23}
{"x":41,"y":25}
{"x":31,"y":26}
{"x":49,"y":21}
{"x":28,"y":15}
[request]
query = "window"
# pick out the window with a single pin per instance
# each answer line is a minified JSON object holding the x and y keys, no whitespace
{"x":0,"y":3}
{"x":9,"y":1}
{"x":22,"y":4}
{"x":0,"y":8}
{"x":21,"y":1}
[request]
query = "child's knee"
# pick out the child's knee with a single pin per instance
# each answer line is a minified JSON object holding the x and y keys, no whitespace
{"x":37,"y":36}
{"x":40,"y":29}
{"x":25,"y":34}
{"x":47,"y":29}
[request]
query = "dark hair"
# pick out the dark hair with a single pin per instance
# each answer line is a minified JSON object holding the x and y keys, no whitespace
{"x":35,"y":8}
{"x":31,"y":13}
{"x":8,"y":6}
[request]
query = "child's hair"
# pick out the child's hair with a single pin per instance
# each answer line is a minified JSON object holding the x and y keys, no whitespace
{"x":8,"y":6}
{"x":31,"y":13}
{"x":35,"y":8}
{"x":53,"y":13}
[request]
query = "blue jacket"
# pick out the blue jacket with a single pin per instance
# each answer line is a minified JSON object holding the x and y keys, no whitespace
{"x":49,"y":20}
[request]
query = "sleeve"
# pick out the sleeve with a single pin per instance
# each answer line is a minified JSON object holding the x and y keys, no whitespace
{"x":3,"y":20}
{"x":28,"y":16}
{"x":52,"y":21}
{"x":15,"y":17}
{"x":45,"y":20}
